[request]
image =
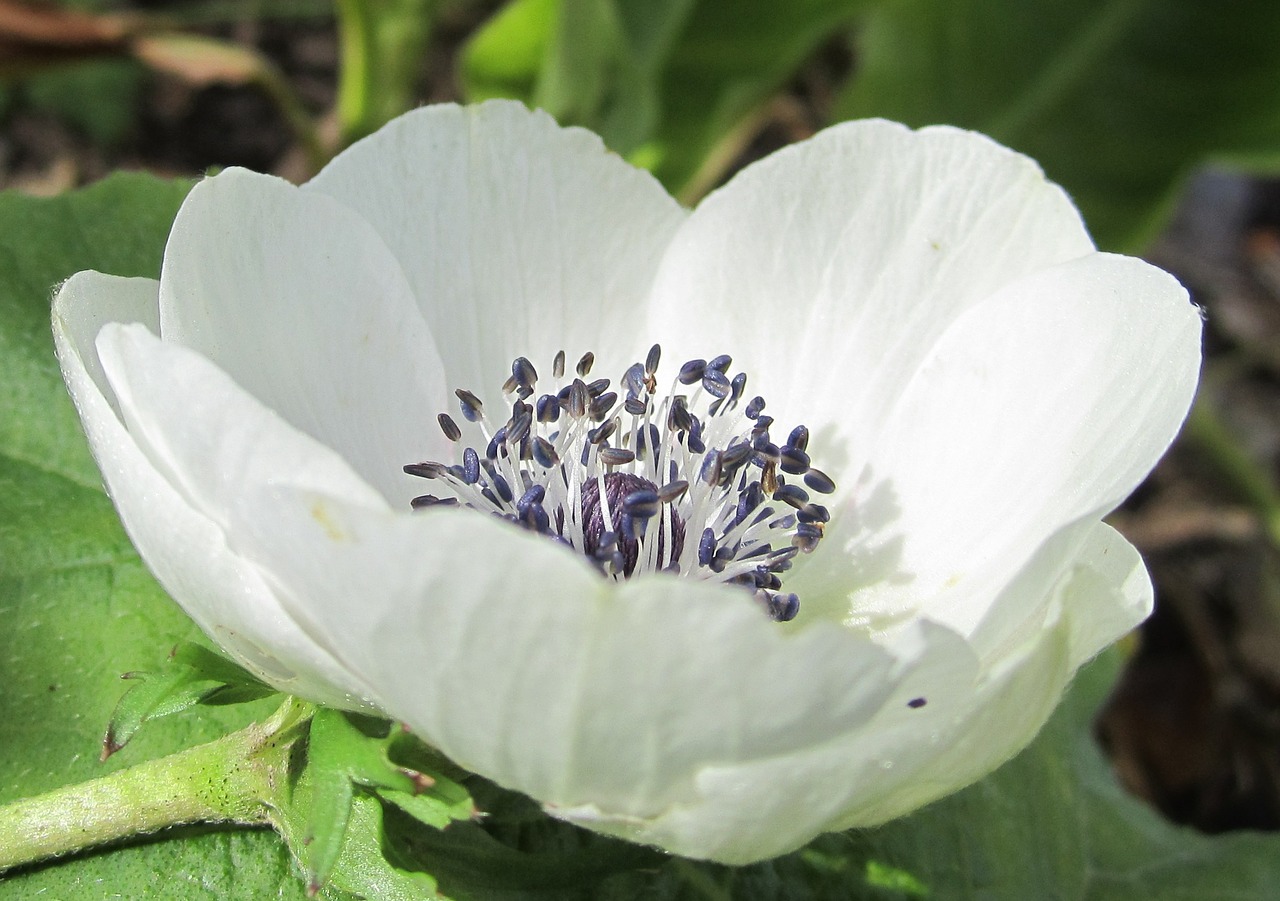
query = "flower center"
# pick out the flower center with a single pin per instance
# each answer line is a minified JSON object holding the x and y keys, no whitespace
{"x":687,"y":482}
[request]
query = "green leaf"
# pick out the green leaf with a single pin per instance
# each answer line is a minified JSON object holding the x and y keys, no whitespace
{"x":674,"y":84}
{"x":192,"y":675}
{"x":79,"y":608}
{"x":1117,"y":99}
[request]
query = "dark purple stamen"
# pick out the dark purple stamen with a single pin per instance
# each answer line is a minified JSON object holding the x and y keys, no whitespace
{"x":664,"y":461}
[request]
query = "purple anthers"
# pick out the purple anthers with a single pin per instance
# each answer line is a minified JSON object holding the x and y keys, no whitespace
{"x":685,"y":482}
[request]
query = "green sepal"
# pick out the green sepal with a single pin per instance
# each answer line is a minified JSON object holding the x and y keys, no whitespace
{"x":214,"y":666}
{"x":517,"y":852}
{"x":367,"y":869}
{"x":445,"y":802}
{"x":349,"y":760}
{"x":192,"y":675}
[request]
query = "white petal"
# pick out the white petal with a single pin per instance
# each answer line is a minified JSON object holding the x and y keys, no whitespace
{"x":519,"y":237}
{"x":298,"y":300}
{"x":185,"y":549}
{"x":1088,"y":550}
{"x":829,"y":269}
{"x":1107,"y":597}
{"x":903,"y":757}
{"x":212,"y":440}
{"x":1045,"y":405}
{"x":517,"y":660}
{"x":742,"y":811}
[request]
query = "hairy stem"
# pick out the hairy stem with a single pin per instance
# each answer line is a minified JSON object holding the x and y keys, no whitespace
{"x":236,"y":779}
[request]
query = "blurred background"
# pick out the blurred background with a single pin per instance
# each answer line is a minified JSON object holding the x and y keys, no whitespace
{"x":1161,"y":118}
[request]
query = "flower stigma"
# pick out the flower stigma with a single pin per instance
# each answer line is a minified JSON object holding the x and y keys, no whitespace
{"x":683,"y":483}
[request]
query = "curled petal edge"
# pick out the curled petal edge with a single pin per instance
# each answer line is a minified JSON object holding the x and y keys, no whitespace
{"x":185,"y":549}
{"x":844,"y":783}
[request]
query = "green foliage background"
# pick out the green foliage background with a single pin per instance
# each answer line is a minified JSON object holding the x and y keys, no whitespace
{"x":1118,"y":99}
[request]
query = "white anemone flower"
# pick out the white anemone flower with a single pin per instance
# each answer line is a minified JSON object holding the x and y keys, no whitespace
{"x":979,"y":385}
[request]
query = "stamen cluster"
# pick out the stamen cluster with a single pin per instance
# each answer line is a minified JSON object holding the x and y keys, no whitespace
{"x":642,"y":482}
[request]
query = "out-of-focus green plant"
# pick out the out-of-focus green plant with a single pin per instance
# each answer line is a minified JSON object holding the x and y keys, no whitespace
{"x":1118,"y":99}
{"x":382,"y":44}
{"x":97,"y":97}
{"x":674,"y":85}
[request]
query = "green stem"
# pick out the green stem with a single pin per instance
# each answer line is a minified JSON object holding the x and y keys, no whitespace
{"x":721,"y":155}
{"x":304,"y":127}
{"x":381,"y":47}
{"x":235,"y":779}
{"x":355,"y":78}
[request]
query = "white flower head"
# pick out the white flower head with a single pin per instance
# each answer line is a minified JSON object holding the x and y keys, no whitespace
{"x":979,"y":386}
